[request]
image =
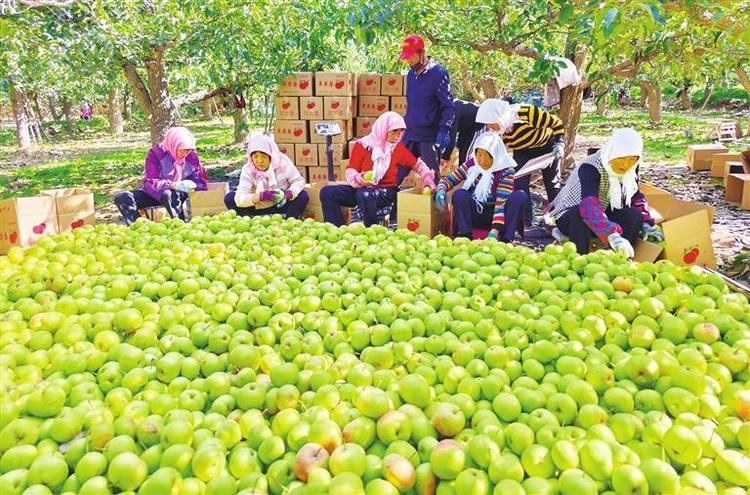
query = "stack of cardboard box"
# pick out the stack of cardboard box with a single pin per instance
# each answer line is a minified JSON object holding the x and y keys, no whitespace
{"x":305,"y":99}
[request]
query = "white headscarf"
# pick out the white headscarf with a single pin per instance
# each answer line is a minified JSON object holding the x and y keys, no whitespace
{"x":624,"y":142}
{"x":497,"y":111}
{"x":492,"y":144}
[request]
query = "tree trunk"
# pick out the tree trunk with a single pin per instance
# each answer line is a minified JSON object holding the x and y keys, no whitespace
{"x":654,"y":101}
{"x":113,"y":112}
{"x":37,"y":107}
{"x":489,"y":88}
{"x":68,"y":112}
{"x":686,"y":103}
{"x":127,"y":108}
{"x":22,"y":120}
{"x":644,"y":97}
{"x":744,"y":79}
{"x":207,"y":110}
{"x":163,"y":109}
{"x":571,"y":102}
{"x":239,"y":116}
{"x":53,"y":108}
{"x":601,"y":104}
{"x":708,"y":93}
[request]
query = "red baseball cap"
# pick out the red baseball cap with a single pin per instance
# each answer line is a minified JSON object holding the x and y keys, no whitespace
{"x":411,"y":45}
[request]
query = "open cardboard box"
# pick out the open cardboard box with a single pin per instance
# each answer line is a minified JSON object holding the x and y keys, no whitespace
{"x":735,"y":167}
{"x":74,"y":206}
{"x":314,"y":208}
{"x":687,"y":235}
{"x":719,"y":159}
{"x":417,"y":213}
{"x":738,"y":190}
{"x":24,"y":220}
{"x":210,"y":201}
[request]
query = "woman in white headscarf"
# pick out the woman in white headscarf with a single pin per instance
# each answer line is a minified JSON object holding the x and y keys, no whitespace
{"x":529,"y":132}
{"x":602,"y":198}
{"x":487,"y":199}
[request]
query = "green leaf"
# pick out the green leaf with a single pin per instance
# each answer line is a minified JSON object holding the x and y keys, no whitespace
{"x":656,"y":14}
{"x":609,"y":21}
{"x":566,"y":13}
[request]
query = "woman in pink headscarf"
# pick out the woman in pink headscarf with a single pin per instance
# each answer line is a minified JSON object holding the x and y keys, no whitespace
{"x":269,"y":183}
{"x":172,"y":170}
{"x":373,"y":171}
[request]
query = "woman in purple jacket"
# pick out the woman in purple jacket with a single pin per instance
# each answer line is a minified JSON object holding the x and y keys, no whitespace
{"x":172,"y":170}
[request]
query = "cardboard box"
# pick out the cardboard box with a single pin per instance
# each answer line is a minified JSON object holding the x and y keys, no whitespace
{"x":24,"y":220}
{"x":719,"y":159}
{"x":398,"y":104}
{"x":320,"y":174}
{"x":314,"y":209}
{"x":417,"y":213}
{"x":306,"y":155}
{"x":346,"y":132}
{"x":738,"y":190}
{"x":730,"y":168}
{"x":74,"y":206}
{"x":287,"y":107}
{"x":392,"y":85}
{"x":657,"y":199}
{"x":412,"y":181}
{"x":311,"y":108}
{"x":297,"y":84}
{"x":699,"y":155}
{"x":372,"y":106}
{"x":210,"y":201}
{"x":363,"y":126}
{"x":338,"y":153}
{"x":287,"y":149}
{"x":303,"y":172}
{"x":335,"y":84}
{"x":368,"y":85}
{"x":687,"y":235}
{"x":290,"y":131}
{"x":339,"y":107}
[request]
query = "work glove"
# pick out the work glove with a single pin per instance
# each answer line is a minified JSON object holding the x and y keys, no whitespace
{"x":443,"y":139}
{"x":620,"y":244}
{"x":441,"y":199}
{"x":493,"y":234}
{"x":272,"y":196}
{"x":559,"y":236}
{"x":289,"y":194}
{"x":649,"y":232}
{"x":185,"y":186}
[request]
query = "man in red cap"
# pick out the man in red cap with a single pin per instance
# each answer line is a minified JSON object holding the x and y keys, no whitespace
{"x":429,"y":106}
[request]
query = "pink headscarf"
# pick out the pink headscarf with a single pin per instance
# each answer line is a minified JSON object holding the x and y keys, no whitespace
{"x":380,"y":149}
{"x":178,"y":138}
{"x":265,"y":179}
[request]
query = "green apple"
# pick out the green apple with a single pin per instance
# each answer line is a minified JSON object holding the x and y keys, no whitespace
{"x":447,"y":459}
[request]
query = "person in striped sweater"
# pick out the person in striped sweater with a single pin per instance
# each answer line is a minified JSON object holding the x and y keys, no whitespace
{"x":529,"y":132}
{"x":488,"y":198}
{"x":269,"y":183}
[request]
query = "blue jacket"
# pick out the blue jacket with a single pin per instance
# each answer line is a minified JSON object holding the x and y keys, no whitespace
{"x":429,"y":103}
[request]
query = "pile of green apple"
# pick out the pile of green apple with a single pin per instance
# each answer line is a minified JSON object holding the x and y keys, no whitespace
{"x":253,"y":356}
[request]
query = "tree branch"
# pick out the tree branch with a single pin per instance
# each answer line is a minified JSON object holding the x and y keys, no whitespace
{"x":47,"y":3}
{"x":468,"y":86}
{"x":139,"y":88}
{"x":200,"y":96}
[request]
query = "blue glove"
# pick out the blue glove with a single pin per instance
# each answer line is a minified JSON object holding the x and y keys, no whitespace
{"x":492,"y":235}
{"x":441,"y":199}
{"x":443,"y":139}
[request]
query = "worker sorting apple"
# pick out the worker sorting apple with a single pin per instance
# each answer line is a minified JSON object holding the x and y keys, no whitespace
{"x":488,"y":198}
{"x":602,"y":198}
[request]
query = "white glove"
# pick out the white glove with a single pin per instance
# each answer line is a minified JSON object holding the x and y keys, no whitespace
{"x":185,"y":186}
{"x":651,"y":232}
{"x":619,"y":243}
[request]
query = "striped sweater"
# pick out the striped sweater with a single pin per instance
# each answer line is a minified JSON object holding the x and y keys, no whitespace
{"x":536,"y":129}
{"x":503,"y":186}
